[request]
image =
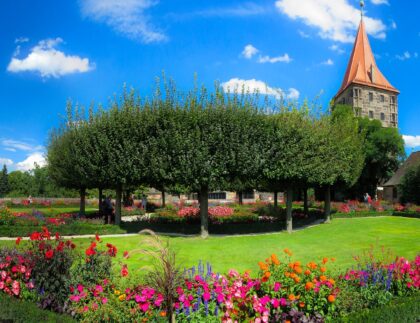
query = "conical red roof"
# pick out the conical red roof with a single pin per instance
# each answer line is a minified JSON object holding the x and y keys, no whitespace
{"x":362,"y":68}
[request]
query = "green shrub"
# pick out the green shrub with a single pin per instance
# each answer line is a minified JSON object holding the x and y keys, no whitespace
{"x":15,"y":310}
{"x":361,"y":214}
{"x":398,"y":310}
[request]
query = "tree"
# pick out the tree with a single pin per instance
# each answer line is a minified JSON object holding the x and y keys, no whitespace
{"x":384,"y":152}
{"x":4,"y":182}
{"x":410,"y":186}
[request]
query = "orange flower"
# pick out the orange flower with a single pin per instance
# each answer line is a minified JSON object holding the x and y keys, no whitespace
{"x":275,"y":260}
{"x":323,"y":269}
{"x":293,"y":275}
{"x":301,"y":304}
{"x":332,"y":281}
{"x":323,"y":278}
{"x":263,"y":266}
{"x":297,"y":263}
{"x":291,"y":265}
{"x":162,"y":314}
{"x":307,"y":272}
{"x":287,"y":274}
{"x":292,"y":297}
{"x":297,"y":279}
{"x":287,"y":321}
{"x":312,"y":265}
{"x":332,"y":259}
{"x":309,"y":286}
{"x":324,"y":260}
{"x":331,"y":298}
{"x":288,"y":252}
{"x":267,"y":274}
{"x":298,"y":270}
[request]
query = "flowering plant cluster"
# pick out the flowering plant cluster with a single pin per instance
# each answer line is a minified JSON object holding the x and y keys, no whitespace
{"x":15,"y":275}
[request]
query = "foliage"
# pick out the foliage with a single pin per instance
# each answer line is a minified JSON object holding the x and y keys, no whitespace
{"x":51,"y":261}
{"x":4,"y":182}
{"x":410,"y":185}
{"x":383,"y":150}
{"x":21,"y":311}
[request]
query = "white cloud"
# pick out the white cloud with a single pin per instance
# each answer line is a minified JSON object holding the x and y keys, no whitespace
{"x":249,"y":51}
{"x":242,"y":10}
{"x":126,"y":17}
{"x":13,"y":145}
{"x":5,"y":161}
{"x":377,"y":2}
{"x":393,"y":25}
{"x":336,"y":48}
{"x":253,"y":85}
{"x":303,"y":34}
{"x":48,"y":61}
{"x":406,"y":55}
{"x":411,"y":141}
{"x":267,"y":59}
{"x":29,"y":163}
{"x":21,"y":40}
{"x":329,"y":61}
{"x":336,"y":20}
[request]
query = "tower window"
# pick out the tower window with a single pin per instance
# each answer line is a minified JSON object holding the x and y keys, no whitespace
{"x":370,"y":96}
{"x":382,"y":116}
{"x":382,"y":98}
{"x":371,"y":114}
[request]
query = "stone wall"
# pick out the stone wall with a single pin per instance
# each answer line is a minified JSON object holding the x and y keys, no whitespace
{"x":373,"y":103}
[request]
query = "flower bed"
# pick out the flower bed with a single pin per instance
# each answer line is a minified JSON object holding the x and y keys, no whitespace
{"x":51,"y":273}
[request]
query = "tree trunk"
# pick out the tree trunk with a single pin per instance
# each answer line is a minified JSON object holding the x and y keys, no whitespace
{"x":327,"y":204}
{"x":118,"y":206}
{"x":276,"y":197}
{"x":241,"y":197}
{"x":100,"y":202}
{"x":82,"y":211}
{"x":289,"y":205}
{"x":204,"y":211}
{"x":163,"y":198}
{"x":305,"y":201}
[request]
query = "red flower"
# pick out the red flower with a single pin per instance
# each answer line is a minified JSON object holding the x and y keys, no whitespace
{"x":124,"y":271}
{"x":97,"y":238}
{"x":35,"y":236}
{"x":112,"y":250}
{"x":90,"y":251}
{"x":18,"y":240}
{"x":57,"y":236}
{"x":125,"y":255}
{"x":49,"y":254}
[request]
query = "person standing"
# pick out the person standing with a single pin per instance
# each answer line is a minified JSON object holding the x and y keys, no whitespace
{"x":144,"y":202}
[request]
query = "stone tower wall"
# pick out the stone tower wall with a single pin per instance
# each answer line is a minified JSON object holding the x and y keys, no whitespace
{"x":371,"y":102}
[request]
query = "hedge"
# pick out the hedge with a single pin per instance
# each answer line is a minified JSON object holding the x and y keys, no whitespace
{"x":403,"y":309}
{"x":14,"y":310}
{"x":361,"y":214}
{"x":407,"y":214}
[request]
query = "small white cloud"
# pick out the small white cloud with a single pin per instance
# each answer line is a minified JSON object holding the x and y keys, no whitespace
{"x":253,"y":85}
{"x":411,"y":141}
{"x":48,"y":61}
{"x":249,"y":51}
{"x":303,"y":34}
{"x":337,"y":49}
{"x":336,"y":20}
{"x":393,"y":25}
{"x":416,"y":55}
{"x":267,"y":59}
{"x":5,"y":161}
{"x":29,"y":163}
{"x":21,"y":40}
{"x":378,"y":2}
{"x":127,"y":17}
{"x":13,"y":145}
{"x":329,"y":61}
{"x":406,"y":55}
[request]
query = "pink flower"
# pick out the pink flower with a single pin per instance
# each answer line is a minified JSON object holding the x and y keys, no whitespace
{"x":206,"y":296}
{"x":159,"y":300}
{"x":104,"y":300}
{"x":275,"y":302}
{"x":80,"y":288}
{"x":144,"y":307}
{"x":283,"y":302}
{"x":277,"y":286}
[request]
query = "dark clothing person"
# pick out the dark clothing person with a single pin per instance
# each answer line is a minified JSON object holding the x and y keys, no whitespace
{"x":108,"y":209}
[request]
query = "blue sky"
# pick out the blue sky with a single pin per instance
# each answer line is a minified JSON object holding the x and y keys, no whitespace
{"x":52,"y":51}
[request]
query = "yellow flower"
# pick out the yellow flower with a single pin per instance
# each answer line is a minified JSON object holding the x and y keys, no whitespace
{"x":121,"y":297}
{"x":117,"y":292}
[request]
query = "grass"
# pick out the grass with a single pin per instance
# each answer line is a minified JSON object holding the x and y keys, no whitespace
{"x":342,"y":239}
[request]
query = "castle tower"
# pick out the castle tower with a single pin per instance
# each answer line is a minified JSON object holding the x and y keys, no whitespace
{"x":365,"y":88}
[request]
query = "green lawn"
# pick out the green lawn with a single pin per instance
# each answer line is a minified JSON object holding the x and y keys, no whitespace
{"x":342,"y":239}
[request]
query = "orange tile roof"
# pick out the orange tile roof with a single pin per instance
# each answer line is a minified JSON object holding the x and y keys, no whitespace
{"x":362,"y":68}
